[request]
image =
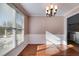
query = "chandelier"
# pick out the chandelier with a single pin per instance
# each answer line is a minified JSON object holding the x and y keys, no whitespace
{"x":51,"y":10}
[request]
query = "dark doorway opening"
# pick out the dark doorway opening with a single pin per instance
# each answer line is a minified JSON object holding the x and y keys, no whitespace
{"x":73,"y":30}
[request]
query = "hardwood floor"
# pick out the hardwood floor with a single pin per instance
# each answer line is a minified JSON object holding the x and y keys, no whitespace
{"x":50,"y":50}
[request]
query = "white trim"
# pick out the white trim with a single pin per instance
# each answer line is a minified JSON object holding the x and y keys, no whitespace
{"x":65,"y":15}
{"x":65,"y":30}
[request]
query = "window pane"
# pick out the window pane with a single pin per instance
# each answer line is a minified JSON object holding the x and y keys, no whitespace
{"x":9,"y":27}
{"x":9,"y":31}
{"x":2,"y":31}
{"x":7,"y":18}
{"x":19,"y":20}
{"x":19,"y":28}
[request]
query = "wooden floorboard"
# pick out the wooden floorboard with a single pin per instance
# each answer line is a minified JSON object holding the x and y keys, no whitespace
{"x":49,"y":50}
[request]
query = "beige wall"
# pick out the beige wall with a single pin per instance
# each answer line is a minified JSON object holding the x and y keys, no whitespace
{"x":26,"y":25}
{"x":40,"y":24}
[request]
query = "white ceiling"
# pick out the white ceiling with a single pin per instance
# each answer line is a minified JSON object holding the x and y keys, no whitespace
{"x":38,"y":9}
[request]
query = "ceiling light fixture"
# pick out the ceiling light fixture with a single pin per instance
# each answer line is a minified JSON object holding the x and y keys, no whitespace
{"x":51,"y":10}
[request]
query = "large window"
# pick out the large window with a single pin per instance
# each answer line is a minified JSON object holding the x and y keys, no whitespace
{"x":19,"y":27}
{"x":11,"y":28}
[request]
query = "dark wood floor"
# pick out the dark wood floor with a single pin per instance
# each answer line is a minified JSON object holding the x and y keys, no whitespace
{"x":50,"y":50}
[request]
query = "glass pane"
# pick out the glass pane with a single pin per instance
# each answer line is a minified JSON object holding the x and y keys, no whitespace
{"x":19,"y":20}
{"x":2,"y":31}
{"x":19,"y":36}
{"x":10,"y":26}
{"x":7,"y":18}
{"x":19,"y":28}
{"x":9,"y":31}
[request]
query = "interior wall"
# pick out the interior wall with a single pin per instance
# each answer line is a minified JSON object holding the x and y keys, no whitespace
{"x":26,"y":25}
{"x":40,"y":24}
